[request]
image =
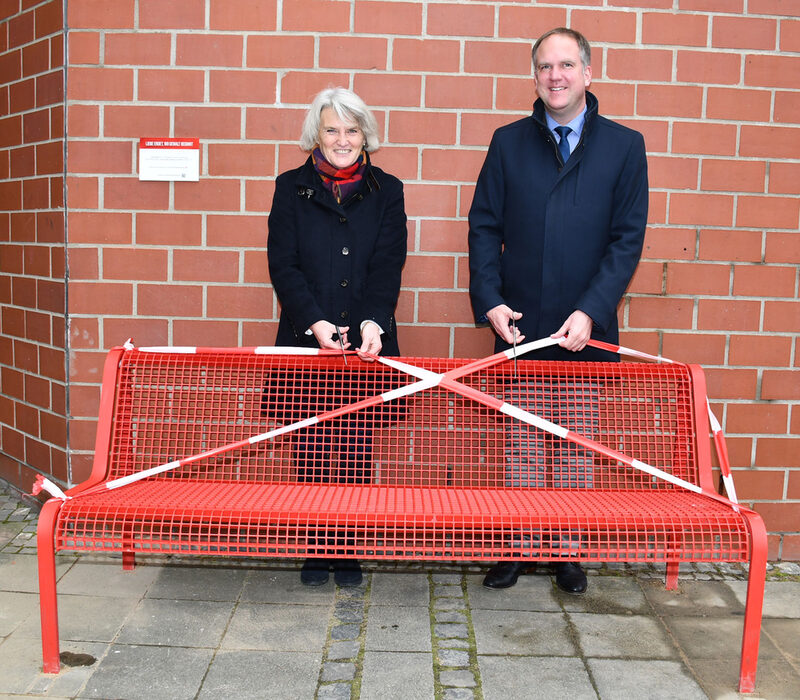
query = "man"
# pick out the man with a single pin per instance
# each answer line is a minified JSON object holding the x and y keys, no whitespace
{"x":556,"y":227}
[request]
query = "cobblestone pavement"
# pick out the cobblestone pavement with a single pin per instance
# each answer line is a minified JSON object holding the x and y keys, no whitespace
{"x":243,"y":628}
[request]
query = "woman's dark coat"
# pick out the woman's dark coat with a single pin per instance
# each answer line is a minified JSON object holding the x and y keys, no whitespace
{"x":338,"y":263}
{"x":547,"y":238}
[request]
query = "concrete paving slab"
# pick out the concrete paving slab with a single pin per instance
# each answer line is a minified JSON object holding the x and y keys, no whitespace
{"x":148,"y":673}
{"x":262,"y":675}
{"x":522,"y":632}
{"x":15,"y":608}
{"x":268,"y":586}
{"x":534,"y":677}
{"x":785,"y":634}
{"x":197,"y":583}
{"x":776,"y":679}
{"x":607,"y":595}
{"x":20,"y":572}
{"x":399,"y":589}
{"x":186,"y":623}
{"x":781,"y":598}
{"x":107,"y":579}
{"x":701,"y":598}
{"x":277,"y":628}
{"x":85,"y":618}
{"x":70,"y":680}
{"x":622,"y":636}
{"x":398,"y":629}
{"x":532,"y":593}
{"x":396,"y":676}
{"x":719,"y":638}
{"x":622,"y":679}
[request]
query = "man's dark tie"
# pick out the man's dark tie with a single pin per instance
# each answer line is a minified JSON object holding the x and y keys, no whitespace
{"x":563,"y":144}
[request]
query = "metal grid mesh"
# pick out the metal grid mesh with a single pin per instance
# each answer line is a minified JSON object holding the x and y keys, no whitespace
{"x":431,"y":475}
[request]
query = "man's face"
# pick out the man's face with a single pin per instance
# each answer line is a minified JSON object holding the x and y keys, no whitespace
{"x":561,"y":78}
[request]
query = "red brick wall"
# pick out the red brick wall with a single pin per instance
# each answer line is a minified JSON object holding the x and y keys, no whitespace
{"x":33,"y":425}
{"x":715,"y":90}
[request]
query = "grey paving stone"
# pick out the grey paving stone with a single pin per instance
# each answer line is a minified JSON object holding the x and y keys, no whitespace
{"x":344,"y":632}
{"x":197,"y":583}
{"x":15,"y":608}
{"x":458,"y":694}
{"x":776,"y":679}
{"x":451,"y":579}
{"x":451,"y":616}
{"x":276,"y":628}
{"x":788,"y":567}
{"x":522,"y":632}
{"x":396,"y":676}
{"x":269,"y":586}
{"x":447,"y":591}
{"x":621,"y":679}
{"x":608,"y":595}
{"x":273,"y":675}
{"x":335,"y":691}
{"x":349,"y":615}
{"x":453,"y":643}
{"x":534,"y":593}
{"x":781,"y":598}
{"x":71,"y":680}
{"x":398,"y":629}
{"x":85,"y":618}
{"x":451,"y":630}
{"x":20,"y":572}
{"x":399,"y":590}
{"x":454,"y":658}
{"x":149,"y":673}
{"x":343,"y":650}
{"x":716,"y":638}
{"x":459,"y":679}
{"x":107,"y":579}
{"x":449,"y":604}
{"x":785,"y":634}
{"x":533,"y":677}
{"x":624,"y":636}
{"x":692,"y":598}
{"x":188,"y":623}
{"x":338,"y":671}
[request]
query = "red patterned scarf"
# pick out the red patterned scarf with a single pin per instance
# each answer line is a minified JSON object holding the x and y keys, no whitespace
{"x":341,"y":183}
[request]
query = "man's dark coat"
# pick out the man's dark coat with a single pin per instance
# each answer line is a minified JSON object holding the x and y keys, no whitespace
{"x":547,"y":239}
{"x":339,"y":263}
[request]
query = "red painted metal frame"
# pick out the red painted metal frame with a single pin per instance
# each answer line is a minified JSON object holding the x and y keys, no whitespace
{"x":439,"y":482}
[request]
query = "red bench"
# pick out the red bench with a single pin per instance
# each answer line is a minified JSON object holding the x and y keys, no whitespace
{"x":262,"y":453}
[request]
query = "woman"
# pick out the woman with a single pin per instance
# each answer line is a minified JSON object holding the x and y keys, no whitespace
{"x":336,"y":248}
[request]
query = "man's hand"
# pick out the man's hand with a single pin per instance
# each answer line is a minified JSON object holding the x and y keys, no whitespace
{"x":500,"y":317}
{"x":575,"y":331}
{"x":370,"y":341}
{"x":324,"y":332}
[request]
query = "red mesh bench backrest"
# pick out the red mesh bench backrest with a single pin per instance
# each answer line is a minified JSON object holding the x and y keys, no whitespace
{"x":169,"y":406}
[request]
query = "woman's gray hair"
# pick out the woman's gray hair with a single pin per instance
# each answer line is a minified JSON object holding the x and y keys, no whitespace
{"x":348,"y":106}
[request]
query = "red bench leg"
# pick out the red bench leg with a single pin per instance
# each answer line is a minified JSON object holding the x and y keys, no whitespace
{"x":48,"y":602}
{"x":754,"y":603}
{"x":672,"y":575}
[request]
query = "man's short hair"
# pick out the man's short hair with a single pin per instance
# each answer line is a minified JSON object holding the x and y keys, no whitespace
{"x":583,"y":45}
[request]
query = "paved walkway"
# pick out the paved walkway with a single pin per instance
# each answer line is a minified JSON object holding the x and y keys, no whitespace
{"x":219,"y":628}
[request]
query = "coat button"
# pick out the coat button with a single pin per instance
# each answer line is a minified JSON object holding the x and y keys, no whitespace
{"x":342,"y":219}
{"x":343,"y":314}
{"x":345,"y":251}
{"x":344,"y":283}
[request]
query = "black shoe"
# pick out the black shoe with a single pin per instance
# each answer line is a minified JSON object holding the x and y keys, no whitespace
{"x":347,"y":572}
{"x":504,"y":574}
{"x":314,"y":572}
{"x":570,"y":577}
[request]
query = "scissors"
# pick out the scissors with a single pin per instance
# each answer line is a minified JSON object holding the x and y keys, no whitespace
{"x":341,"y":343}
{"x":514,"y":332}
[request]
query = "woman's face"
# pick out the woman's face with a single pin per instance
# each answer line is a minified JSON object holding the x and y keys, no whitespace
{"x":340,"y":140}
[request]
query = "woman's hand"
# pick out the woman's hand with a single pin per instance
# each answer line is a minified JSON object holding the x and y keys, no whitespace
{"x":370,"y":341}
{"x":324,"y":332}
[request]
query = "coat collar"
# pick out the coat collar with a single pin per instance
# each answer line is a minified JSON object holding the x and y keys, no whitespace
{"x":591,"y":113}
{"x":309,"y":185}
